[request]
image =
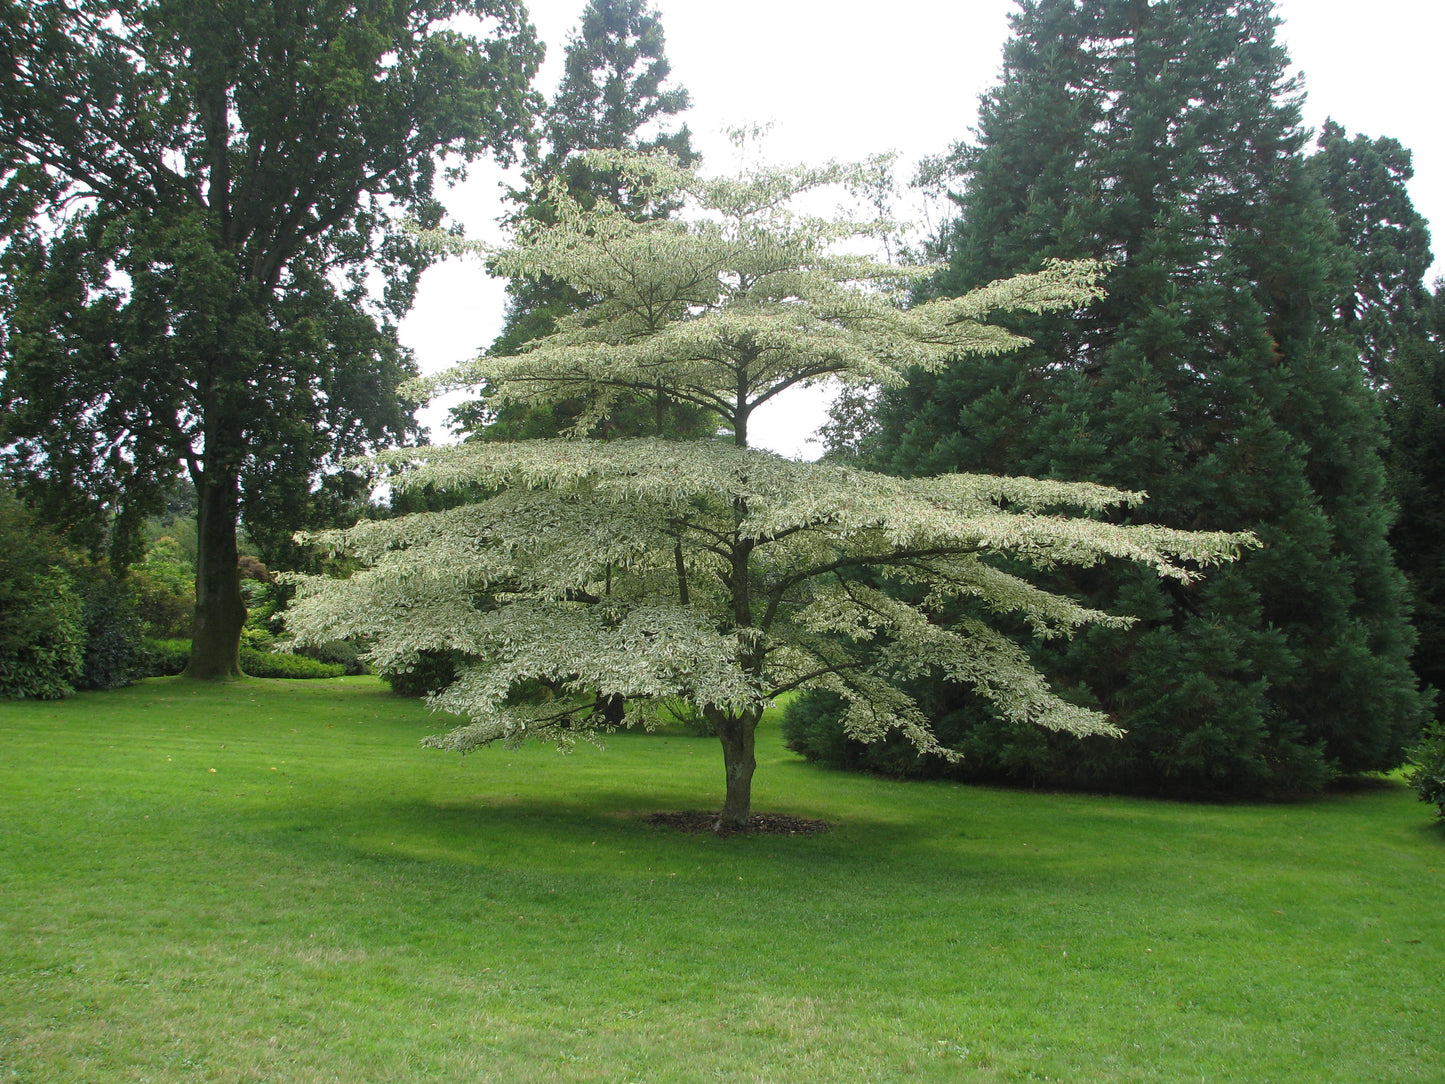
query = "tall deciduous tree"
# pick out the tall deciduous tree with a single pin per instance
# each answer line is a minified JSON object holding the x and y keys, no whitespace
{"x":615,"y":95}
{"x":200,"y":270}
{"x":707,"y":571}
{"x":1164,"y":136}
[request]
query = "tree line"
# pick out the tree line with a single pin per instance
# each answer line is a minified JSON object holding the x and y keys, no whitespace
{"x":202,"y":272}
{"x":1264,"y":359}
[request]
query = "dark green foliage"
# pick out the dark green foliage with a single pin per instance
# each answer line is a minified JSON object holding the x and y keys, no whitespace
{"x":278,"y":664}
{"x":1384,"y":307}
{"x":42,"y":638}
{"x":1427,"y":771}
{"x":200,"y":270}
{"x":342,"y":653}
{"x":432,"y":670}
{"x":1415,"y":409}
{"x":115,"y":653}
{"x":992,"y":750}
{"x":168,"y":658}
{"x":1393,"y":321}
{"x":42,"y":631}
{"x":813,"y":729}
{"x":164,"y":580}
{"x":1165,"y":137}
{"x":1382,"y":304}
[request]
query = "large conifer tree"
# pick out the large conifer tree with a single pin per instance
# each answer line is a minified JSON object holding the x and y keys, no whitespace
{"x":1385,"y":308}
{"x":1415,"y":409}
{"x":1165,"y":137}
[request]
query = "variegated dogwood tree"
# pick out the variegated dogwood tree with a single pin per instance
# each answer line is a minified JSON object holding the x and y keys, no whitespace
{"x":708,"y":572}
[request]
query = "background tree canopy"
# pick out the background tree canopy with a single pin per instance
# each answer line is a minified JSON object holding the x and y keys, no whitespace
{"x":1222,"y":374}
{"x":614,"y":96}
{"x":201,"y":269}
{"x":704,"y":571}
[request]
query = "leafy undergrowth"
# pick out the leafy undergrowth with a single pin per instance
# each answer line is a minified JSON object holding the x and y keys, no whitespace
{"x":269,"y":881}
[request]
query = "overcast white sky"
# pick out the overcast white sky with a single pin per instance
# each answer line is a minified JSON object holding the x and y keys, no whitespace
{"x":844,"y":79}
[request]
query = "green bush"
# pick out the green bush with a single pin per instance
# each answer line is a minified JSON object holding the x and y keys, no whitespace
{"x":432,"y":670}
{"x":276,"y":664}
{"x":42,"y":634}
{"x":115,"y":652}
{"x":169,"y":657}
{"x":42,"y":640}
{"x":165,"y":589}
{"x":813,"y":726}
{"x":166,"y":658}
{"x":341,"y":653}
{"x":164,"y":612}
{"x":1427,"y":768}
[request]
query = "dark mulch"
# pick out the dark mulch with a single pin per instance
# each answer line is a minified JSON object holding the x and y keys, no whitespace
{"x":763,"y":824}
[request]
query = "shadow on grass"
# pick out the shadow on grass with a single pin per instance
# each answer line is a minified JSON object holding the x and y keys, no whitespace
{"x":616,"y":814}
{"x":602,"y":843}
{"x":1434,"y":830}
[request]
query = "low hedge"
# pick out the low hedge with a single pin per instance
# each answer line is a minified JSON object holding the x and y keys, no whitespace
{"x":169,"y":657}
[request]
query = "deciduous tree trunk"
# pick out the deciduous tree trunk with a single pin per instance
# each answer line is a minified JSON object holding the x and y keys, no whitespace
{"x":737,"y":734}
{"x":220,"y":609}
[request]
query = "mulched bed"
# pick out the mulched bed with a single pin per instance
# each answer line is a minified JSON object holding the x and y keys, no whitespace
{"x":762,"y":824}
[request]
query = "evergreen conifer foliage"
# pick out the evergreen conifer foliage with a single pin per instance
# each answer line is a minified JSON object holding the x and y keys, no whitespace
{"x":1165,"y":138}
{"x":1385,"y":309}
{"x":707,"y":571}
{"x":1384,"y":302}
{"x":1415,"y":409}
{"x":615,"y":95}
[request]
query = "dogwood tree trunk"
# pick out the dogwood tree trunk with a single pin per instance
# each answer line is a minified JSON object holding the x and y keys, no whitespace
{"x":737,"y":734}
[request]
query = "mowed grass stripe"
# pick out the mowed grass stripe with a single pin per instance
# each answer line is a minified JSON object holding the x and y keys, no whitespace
{"x":271,"y":882}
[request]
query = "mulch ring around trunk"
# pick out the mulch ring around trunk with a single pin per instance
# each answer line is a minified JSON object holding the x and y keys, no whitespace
{"x":762,"y":824}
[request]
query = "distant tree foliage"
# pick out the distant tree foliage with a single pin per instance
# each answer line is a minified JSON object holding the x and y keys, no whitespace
{"x":1415,"y":410}
{"x":1384,"y":303}
{"x":200,"y":268}
{"x":615,"y":95}
{"x":1219,"y":374}
{"x":1398,"y":329}
{"x":652,"y":571}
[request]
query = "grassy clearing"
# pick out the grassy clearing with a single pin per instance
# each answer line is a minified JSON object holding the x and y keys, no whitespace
{"x":270,"y":882}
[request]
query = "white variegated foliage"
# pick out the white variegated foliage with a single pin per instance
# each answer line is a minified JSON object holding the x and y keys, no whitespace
{"x":708,"y":572}
{"x":571,"y":574}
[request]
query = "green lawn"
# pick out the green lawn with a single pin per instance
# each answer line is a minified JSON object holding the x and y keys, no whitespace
{"x":271,"y":882}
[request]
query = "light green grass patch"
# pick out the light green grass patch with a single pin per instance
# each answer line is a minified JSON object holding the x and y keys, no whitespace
{"x":272,"y":882}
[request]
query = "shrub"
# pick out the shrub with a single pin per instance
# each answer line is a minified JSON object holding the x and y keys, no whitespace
{"x":164,"y":584}
{"x":813,"y":726}
{"x":165,"y":613}
{"x":1427,"y":768}
{"x":169,"y":657}
{"x":276,"y":664}
{"x":342,"y":653}
{"x":115,"y":652}
{"x":431,"y":671}
{"x":42,"y":642}
{"x":42,"y":636}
